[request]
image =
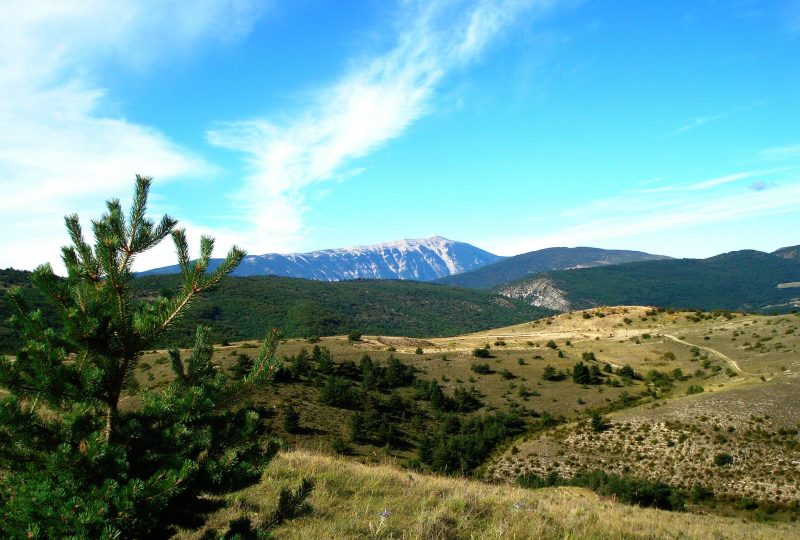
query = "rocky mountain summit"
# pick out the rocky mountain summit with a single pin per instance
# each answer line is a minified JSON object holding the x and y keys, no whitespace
{"x":423,"y":259}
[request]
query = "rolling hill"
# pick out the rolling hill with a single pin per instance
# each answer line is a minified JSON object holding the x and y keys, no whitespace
{"x":740,"y":280}
{"x":697,"y":386}
{"x":423,"y":259}
{"x":543,"y":260}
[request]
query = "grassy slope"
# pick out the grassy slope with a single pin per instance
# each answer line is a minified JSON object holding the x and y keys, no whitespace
{"x":349,"y":497}
{"x":640,"y":343}
{"x":740,"y":280}
{"x":751,"y":413}
{"x":322,"y":423}
{"x":542,"y":260}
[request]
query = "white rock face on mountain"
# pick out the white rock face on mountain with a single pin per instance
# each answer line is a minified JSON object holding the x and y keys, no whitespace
{"x":422,"y":259}
{"x":541,"y":292}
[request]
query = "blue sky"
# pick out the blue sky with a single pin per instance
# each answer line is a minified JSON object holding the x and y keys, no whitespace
{"x":669,"y":127}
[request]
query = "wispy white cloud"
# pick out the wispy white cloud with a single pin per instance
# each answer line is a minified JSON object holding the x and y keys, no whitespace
{"x":697,"y":121}
{"x":633,"y":214}
{"x":782,"y":153}
{"x":702,"y":120}
{"x":376,"y":101}
{"x":713,"y":182}
{"x":59,"y":152}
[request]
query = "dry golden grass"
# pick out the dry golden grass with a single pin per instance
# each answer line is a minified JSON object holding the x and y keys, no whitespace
{"x":751,"y":412}
{"x":672,"y":439}
{"x":349,"y":498}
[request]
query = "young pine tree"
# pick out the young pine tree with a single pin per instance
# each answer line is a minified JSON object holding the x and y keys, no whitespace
{"x":291,"y":420}
{"x":73,"y":462}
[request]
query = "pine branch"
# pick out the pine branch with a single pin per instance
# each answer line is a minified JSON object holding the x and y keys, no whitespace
{"x":138,"y":208}
{"x":84,"y":257}
{"x":232,"y":260}
{"x":182,"y":251}
{"x":54,"y":287}
{"x":177,"y":364}
{"x":266,"y":364}
{"x":155,"y":236}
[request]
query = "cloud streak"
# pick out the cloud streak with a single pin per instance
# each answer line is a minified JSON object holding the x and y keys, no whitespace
{"x":374,"y":102}
{"x":697,"y":122}
{"x":713,"y":182}
{"x":702,"y":120}
{"x":638,"y":213}
{"x":782,"y":153}
{"x":58,"y":151}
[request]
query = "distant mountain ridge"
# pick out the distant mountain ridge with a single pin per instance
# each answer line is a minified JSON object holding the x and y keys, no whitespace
{"x":423,"y":259}
{"x":746,"y":280}
{"x":543,"y":260}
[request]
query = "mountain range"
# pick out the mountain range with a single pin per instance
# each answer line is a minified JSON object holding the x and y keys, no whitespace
{"x":423,"y":259}
{"x":575,"y":278}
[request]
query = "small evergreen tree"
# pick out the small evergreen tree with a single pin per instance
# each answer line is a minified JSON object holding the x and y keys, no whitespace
{"x":437,"y":397}
{"x":482,"y":352}
{"x":425,"y":450}
{"x":397,"y":373}
{"x":356,"y":427}
{"x":325,"y":362}
{"x":73,"y":463}
{"x":581,"y":374}
{"x":340,"y":446}
{"x":549,"y":373}
{"x":626,"y":371}
{"x":291,"y":420}
{"x":599,"y":423}
{"x":242,"y":366}
{"x":595,"y":375}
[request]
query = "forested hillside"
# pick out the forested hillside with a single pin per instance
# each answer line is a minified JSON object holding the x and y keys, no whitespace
{"x":740,"y":280}
{"x":244,"y":308}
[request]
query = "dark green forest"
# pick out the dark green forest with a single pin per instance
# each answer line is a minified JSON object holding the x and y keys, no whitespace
{"x":740,"y":280}
{"x":242,"y":307}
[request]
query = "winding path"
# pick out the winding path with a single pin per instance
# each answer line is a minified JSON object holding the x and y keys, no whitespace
{"x":715,"y":352}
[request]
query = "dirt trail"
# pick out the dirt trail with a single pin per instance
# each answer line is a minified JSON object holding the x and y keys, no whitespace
{"x":715,"y":352}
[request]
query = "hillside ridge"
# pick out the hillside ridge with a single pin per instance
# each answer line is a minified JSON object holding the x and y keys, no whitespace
{"x":543,"y":260}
